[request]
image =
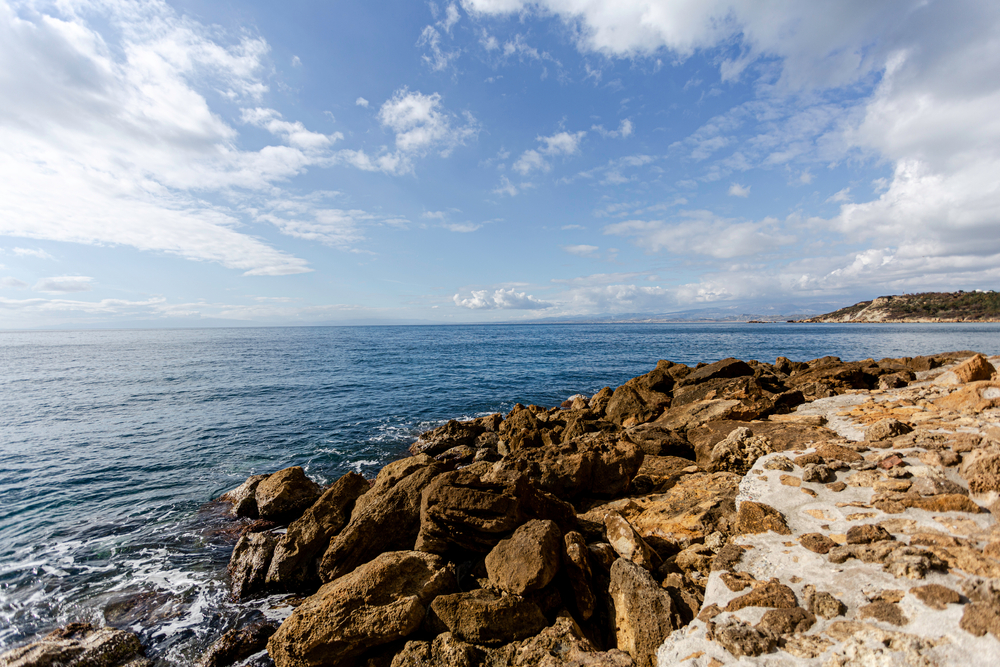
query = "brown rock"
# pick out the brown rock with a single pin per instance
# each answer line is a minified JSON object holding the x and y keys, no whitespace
{"x":627,"y":542}
{"x":443,"y":651}
{"x":822,"y":603}
{"x":237,"y":644}
{"x":974,"y":369}
{"x":890,"y":462}
{"x":753,"y":518}
{"x":659,"y":473}
{"x":249,"y":563}
{"x":286,"y":494}
{"x":697,"y":506}
{"x":643,"y":612}
{"x":626,"y":403}
{"x":741,"y":639}
{"x":737,"y":581}
{"x":738,"y":451}
{"x":726,"y":368}
{"x":981,"y":469}
{"x":772,"y":594}
{"x":386,"y":518}
{"x":971,"y":398}
{"x":599,"y":402}
{"x":728,"y":557}
{"x":936,"y":596}
{"x":886,"y":612}
{"x":817,"y":543}
{"x":833,"y":452}
{"x":480,"y":617}
{"x":978,"y":618}
{"x":886,"y":429}
{"x":563,"y":645}
{"x":932,"y":486}
{"x":868,"y":533}
{"x":836,"y":487}
{"x":687,"y":417}
{"x":294,"y":564}
{"x":946,"y":502}
{"x":381,"y":601}
{"x":244,"y":498}
{"x":657,"y":440}
{"x":786,"y":621}
{"x":79,"y":645}
{"x":576,"y":566}
{"x":782,"y":436}
{"x":527,"y":560}
{"x":790,"y":480}
{"x":443,"y":438}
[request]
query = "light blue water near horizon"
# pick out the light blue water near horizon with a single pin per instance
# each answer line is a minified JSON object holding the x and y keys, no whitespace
{"x":112,"y":442}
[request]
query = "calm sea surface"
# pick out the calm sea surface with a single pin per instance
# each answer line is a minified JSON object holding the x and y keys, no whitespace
{"x":111,"y":442}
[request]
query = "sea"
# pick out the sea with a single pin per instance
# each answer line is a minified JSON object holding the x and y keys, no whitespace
{"x":114,"y":443}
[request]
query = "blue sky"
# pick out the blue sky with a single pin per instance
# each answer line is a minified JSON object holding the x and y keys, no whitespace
{"x":187,"y":163}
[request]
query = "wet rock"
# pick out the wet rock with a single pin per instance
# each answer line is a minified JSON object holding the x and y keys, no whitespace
{"x":753,"y":518}
{"x":576,"y":567}
{"x":742,"y":639}
{"x":739,"y":451}
{"x":936,"y":596}
{"x":381,"y":601}
{"x":386,"y":518}
{"x":461,"y":511}
{"x":886,"y":612}
{"x":480,"y":617}
{"x":79,"y":645}
{"x":867,"y":534}
{"x":443,"y":651}
{"x":886,"y":429}
{"x":244,"y":498}
{"x":528,"y":559}
{"x":786,"y":621}
{"x":294,"y":564}
{"x":563,"y":645}
{"x":249,"y":563}
{"x":773,"y":594}
{"x":643,"y":611}
{"x":627,"y":542}
{"x":237,"y":644}
{"x":286,"y":494}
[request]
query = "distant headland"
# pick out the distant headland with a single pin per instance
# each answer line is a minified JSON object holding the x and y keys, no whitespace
{"x":977,"y":306}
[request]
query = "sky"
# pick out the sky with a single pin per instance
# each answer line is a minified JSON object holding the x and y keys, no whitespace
{"x":196,"y":163}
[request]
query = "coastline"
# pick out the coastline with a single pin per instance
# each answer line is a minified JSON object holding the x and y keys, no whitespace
{"x":635,"y":491}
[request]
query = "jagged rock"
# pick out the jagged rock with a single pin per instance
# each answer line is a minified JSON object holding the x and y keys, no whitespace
{"x":443,"y":651}
{"x":244,"y":498}
{"x":528,"y":559}
{"x":596,"y":465}
{"x":237,"y":644}
{"x":739,"y":451}
{"x":686,"y":417}
{"x":697,"y":506}
{"x":817,"y":543}
{"x":786,"y":621}
{"x":978,"y":618}
{"x":782,"y":436}
{"x":884,"y":611}
{"x":563,"y":645}
{"x":868,"y":533}
{"x":386,"y":518}
{"x":626,"y":403}
{"x":973,"y":369}
{"x":658,"y":474}
{"x":741,"y":639}
{"x":972,"y":398}
{"x":657,"y":440}
{"x":753,"y":518}
{"x":294,"y":564}
{"x":773,"y":594}
{"x":627,"y":542}
{"x":886,"y":429}
{"x":79,"y":645}
{"x":249,"y":563}
{"x":643,"y":611}
{"x":462,"y":511}
{"x":981,"y":469}
{"x":599,"y":402}
{"x":381,"y":601}
{"x":726,"y":368}
{"x":286,"y":494}
{"x":822,"y":603}
{"x":576,"y":567}
{"x":480,"y":617}
{"x":443,"y":438}
{"x":519,"y":430}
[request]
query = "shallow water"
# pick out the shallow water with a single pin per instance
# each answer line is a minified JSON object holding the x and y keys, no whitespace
{"x":112,"y":442}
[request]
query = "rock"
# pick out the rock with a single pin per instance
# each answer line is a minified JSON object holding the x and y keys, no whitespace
{"x":936,"y":596}
{"x":443,"y":438}
{"x":822,"y":603}
{"x":817,"y":543}
{"x":659,"y":473}
{"x":244,"y":498}
{"x":528,"y":559}
{"x":627,"y":542}
{"x":886,"y":612}
{"x":381,"y":601}
{"x":741,"y":639}
{"x":480,"y":617}
{"x":817,"y":472}
{"x":443,"y":651}
{"x":249,"y":563}
{"x":753,"y":518}
{"x":599,"y":402}
{"x":974,"y":369}
{"x":237,"y":644}
{"x":786,"y":621}
{"x":626,"y":403}
{"x":294,"y":564}
{"x":697,"y":506}
{"x":728,"y":557}
{"x":576,"y":566}
{"x":782,"y":436}
{"x":866,"y":534}
{"x":643,"y":611}
{"x":386,"y":518}
{"x":738,"y":451}
{"x":460,"y":511}
{"x":79,"y":645}
{"x":773,"y":594}
{"x":886,"y":429}
{"x":978,"y":618}
{"x":657,"y":440}
{"x":686,"y":417}
{"x":972,"y":398}
{"x":563,"y":645}
{"x":981,"y":469}
{"x":726,"y":368}
{"x":932,"y":486}
{"x":596,"y":465}
{"x":286,"y":494}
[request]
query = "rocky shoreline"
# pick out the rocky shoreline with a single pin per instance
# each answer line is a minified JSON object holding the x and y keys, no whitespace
{"x":820,"y":512}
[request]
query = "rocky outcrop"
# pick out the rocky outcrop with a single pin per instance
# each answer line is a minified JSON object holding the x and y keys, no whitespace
{"x":249,"y":563}
{"x":285,"y":495}
{"x":237,"y":645}
{"x":80,"y":645}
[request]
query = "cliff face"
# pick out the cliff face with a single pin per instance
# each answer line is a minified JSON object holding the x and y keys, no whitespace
{"x":925,"y":307}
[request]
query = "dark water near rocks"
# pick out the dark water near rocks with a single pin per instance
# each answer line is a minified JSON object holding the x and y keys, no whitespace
{"x":111,"y":442}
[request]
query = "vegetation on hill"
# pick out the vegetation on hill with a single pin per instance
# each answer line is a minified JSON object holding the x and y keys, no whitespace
{"x":979,"y":306}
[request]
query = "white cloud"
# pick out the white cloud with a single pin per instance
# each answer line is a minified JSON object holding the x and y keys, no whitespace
{"x":500,"y":299}
{"x":13,"y":283}
{"x":296,"y":61}
{"x":462,"y":227}
{"x":843,"y":196}
{"x":531,"y":160}
{"x":703,"y":233}
{"x":295,"y":133}
{"x":62,"y":284}
{"x":624,"y":130}
{"x":361,"y":102}
{"x":561,"y":143}
{"x":737,"y":190}
{"x":569,"y":227}
{"x":32,"y":252}
{"x":421,"y":124}
{"x":581,"y":250}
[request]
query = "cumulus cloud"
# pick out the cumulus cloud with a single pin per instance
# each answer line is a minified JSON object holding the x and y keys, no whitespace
{"x":737,"y":190}
{"x":500,"y":299}
{"x":361,"y":102}
{"x":561,"y":143}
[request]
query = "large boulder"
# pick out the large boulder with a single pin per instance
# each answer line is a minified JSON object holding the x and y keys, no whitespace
{"x":294,"y":564}
{"x":79,"y":645}
{"x":386,"y":518}
{"x":237,"y":644}
{"x":683,"y":418}
{"x":480,"y":617}
{"x":528,"y":559}
{"x":244,"y":497}
{"x":644,"y":611}
{"x":628,"y":404}
{"x":598,"y":465}
{"x":249,"y":563}
{"x":286,"y":494}
{"x":726,"y":368}
{"x":381,"y":601}
{"x":462,"y":512}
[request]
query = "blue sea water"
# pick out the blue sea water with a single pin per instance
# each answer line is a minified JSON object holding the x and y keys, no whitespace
{"x":112,"y":442}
